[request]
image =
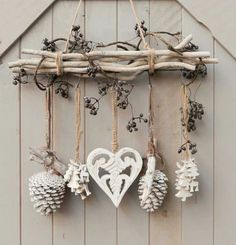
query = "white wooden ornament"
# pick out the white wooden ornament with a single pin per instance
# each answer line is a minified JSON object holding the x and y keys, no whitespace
{"x":114,"y":172}
{"x":186,"y":182}
{"x":77,"y":178}
{"x":152,"y":187}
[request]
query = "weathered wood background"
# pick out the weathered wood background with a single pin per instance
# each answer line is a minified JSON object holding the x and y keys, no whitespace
{"x":207,"y":219}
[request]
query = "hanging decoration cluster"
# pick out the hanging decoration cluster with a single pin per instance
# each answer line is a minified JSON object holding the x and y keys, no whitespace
{"x":114,"y":171}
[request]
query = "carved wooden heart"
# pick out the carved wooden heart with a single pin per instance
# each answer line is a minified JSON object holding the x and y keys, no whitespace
{"x":114,"y":172}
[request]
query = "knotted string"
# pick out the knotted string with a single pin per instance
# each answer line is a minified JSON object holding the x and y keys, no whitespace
{"x":78,"y":123}
{"x":114,"y":144}
{"x":59,"y":63}
{"x":185,"y":108}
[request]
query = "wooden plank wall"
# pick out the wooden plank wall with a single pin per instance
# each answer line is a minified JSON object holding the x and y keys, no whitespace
{"x":207,"y":219}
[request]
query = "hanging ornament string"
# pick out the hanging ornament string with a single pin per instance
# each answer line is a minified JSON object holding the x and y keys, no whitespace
{"x":151,"y":145}
{"x":48,"y":118}
{"x":185,"y":104}
{"x":114,"y":144}
{"x":73,"y":22}
{"x":151,"y":57}
{"x":78,"y":123}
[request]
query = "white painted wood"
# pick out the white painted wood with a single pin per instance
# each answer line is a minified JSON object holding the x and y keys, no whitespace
{"x":18,"y":16}
{"x":68,"y":224}
{"x":131,"y":219}
{"x":224,"y":153}
{"x":10,"y":160}
{"x":165,"y":224}
{"x":218,"y":17}
{"x":33,"y":135}
{"x":100,"y":213}
{"x":197,"y":217}
{"x":114,"y":182}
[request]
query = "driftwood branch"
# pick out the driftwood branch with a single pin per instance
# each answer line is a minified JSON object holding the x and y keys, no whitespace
{"x":115,"y":64}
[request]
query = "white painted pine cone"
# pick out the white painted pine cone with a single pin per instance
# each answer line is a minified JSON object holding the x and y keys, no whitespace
{"x":158,"y":191}
{"x":47,"y":191}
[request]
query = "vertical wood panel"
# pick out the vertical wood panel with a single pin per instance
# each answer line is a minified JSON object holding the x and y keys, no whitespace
{"x":165,"y":224}
{"x":197,"y":217}
{"x":131,"y":218}
{"x":35,"y":228}
{"x":69,"y":221}
{"x":100,"y":25}
{"x":10,"y":153}
{"x":225,"y":158}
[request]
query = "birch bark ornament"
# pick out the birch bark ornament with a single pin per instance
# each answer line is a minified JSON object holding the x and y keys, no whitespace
{"x":186,"y":182}
{"x":77,"y":176}
{"x":47,"y":188}
{"x":153,"y":185}
{"x":115,"y":171}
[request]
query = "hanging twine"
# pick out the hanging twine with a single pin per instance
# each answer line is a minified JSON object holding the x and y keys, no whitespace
{"x":151,"y":57}
{"x":185,"y":105}
{"x":73,"y":22}
{"x":78,"y":123}
{"x":48,"y":117}
{"x":114,"y":144}
{"x":151,"y":145}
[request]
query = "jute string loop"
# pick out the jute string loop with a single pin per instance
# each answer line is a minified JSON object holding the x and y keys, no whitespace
{"x":114,"y":144}
{"x":185,"y":107}
{"x":59,"y":63}
{"x":78,"y":122}
{"x":48,"y":117}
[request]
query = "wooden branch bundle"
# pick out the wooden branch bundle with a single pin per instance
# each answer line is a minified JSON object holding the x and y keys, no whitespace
{"x":115,"y":64}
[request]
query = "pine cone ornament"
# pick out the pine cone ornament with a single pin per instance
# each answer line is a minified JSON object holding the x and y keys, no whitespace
{"x":186,"y":182}
{"x":152,"y":187}
{"x":47,"y":192}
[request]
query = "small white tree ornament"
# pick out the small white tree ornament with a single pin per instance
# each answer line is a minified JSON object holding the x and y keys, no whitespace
{"x":186,"y":182}
{"x":77,"y":178}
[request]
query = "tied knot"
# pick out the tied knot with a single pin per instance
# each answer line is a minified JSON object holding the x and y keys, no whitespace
{"x":151,"y":61}
{"x":59,"y":63}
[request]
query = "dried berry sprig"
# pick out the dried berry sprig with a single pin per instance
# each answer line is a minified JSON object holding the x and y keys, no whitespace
{"x":201,"y":70}
{"x":18,"y":78}
{"x":78,"y":43}
{"x":49,"y":45}
{"x":195,"y":112}
{"x":188,"y":145}
{"x":63,"y":89}
{"x":143,"y":28}
{"x":92,"y":70}
{"x":93,"y":104}
{"x":132,"y":124}
{"x":123,"y":90}
{"x":190,"y":47}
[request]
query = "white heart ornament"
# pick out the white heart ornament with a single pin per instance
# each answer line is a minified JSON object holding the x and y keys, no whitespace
{"x":114,"y":172}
